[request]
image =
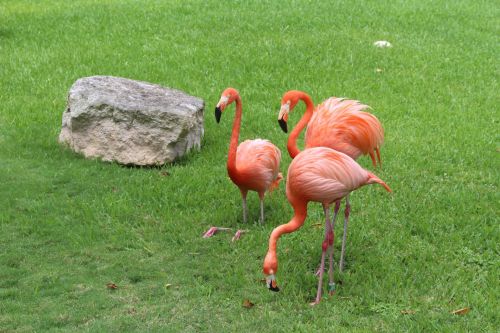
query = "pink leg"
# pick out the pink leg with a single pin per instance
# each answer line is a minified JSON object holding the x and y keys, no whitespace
{"x":331,"y":282}
{"x":344,"y":236}
{"x":245,"y":210}
{"x":261,"y":197}
{"x":324,"y":247}
{"x":320,"y":279}
{"x":335,"y":212}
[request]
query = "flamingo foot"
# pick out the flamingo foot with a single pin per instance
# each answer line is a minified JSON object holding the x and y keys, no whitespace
{"x":316,"y":302}
{"x":238,"y":234}
{"x":318,"y":271}
{"x":213,"y":230}
{"x":331,"y":288}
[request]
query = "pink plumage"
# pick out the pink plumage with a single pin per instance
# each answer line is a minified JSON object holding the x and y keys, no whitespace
{"x":342,"y":124}
{"x":322,"y":175}
{"x":337,"y":123}
{"x":257,"y":165}
{"x":252,"y":165}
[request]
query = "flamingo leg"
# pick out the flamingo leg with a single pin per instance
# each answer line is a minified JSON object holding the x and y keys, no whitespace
{"x":245,"y":209}
{"x":261,"y":197}
{"x":330,"y":248}
{"x":324,"y":246}
{"x":331,"y":282}
{"x":320,"y":279}
{"x":261,"y":211}
{"x":344,"y":236}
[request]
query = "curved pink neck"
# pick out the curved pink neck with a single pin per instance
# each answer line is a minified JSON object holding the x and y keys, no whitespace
{"x":233,"y":145}
{"x":293,"y":150}
{"x":300,"y":214}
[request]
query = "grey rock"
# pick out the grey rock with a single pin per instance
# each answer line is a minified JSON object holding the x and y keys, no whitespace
{"x":130,"y":122}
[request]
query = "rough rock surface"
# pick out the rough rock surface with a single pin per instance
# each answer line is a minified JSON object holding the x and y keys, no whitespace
{"x":130,"y":122}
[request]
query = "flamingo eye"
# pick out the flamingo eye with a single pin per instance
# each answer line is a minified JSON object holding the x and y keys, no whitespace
{"x":285,"y":108}
{"x":224,"y":99}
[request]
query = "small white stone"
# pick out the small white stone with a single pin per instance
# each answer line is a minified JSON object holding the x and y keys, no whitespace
{"x":382,"y":43}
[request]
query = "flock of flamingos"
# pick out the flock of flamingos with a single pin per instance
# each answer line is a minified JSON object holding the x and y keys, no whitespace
{"x":338,"y":132}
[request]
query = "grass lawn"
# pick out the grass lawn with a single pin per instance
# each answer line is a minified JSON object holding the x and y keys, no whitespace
{"x":70,"y":226}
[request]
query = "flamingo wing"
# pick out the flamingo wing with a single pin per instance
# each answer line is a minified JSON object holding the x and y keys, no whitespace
{"x":324,"y":175}
{"x":258,"y":163}
{"x":343,"y":125}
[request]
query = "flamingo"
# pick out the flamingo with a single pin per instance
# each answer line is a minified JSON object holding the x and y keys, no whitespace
{"x":253,"y":165}
{"x":322,"y":175}
{"x":337,"y":123}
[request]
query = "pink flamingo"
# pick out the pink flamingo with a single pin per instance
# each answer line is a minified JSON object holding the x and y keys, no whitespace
{"x":254,"y":164}
{"x":322,"y":175}
{"x":337,"y":123}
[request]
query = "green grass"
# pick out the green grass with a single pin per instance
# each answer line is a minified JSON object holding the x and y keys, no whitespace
{"x":69,"y":226}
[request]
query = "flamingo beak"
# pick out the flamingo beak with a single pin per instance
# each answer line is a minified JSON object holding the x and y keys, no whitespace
{"x":218,"y":114}
{"x":283,"y":116}
{"x":283,"y":125}
{"x":271,"y":283}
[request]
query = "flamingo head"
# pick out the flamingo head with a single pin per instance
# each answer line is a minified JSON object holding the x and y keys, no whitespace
{"x":270,"y":268}
{"x":288,"y":102}
{"x":228,"y":96}
{"x":271,"y":283}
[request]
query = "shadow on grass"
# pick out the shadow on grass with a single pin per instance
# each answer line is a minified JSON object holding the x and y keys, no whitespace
{"x":188,"y":158}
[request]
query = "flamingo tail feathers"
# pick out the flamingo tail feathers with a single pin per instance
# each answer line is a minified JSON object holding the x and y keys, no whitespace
{"x":377,"y":150}
{"x":374,"y":162}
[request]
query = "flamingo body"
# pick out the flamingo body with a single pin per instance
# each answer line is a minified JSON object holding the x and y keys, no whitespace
{"x":337,"y":123}
{"x":252,"y":165}
{"x":257,"y":165}
{"x":322,"y":175}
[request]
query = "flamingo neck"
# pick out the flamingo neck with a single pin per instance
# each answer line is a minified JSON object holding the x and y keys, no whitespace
{"x":293,"y":150}
{"x":300,"y":214}
{"x":233,"y":145}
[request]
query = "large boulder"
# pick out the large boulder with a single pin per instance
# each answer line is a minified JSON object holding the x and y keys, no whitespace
{"x":130,"y":122}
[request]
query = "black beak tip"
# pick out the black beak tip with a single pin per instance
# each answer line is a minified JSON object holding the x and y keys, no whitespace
{"x":275,"y":289}
{"x":218,"y":114}
{"x":283,"y":125}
